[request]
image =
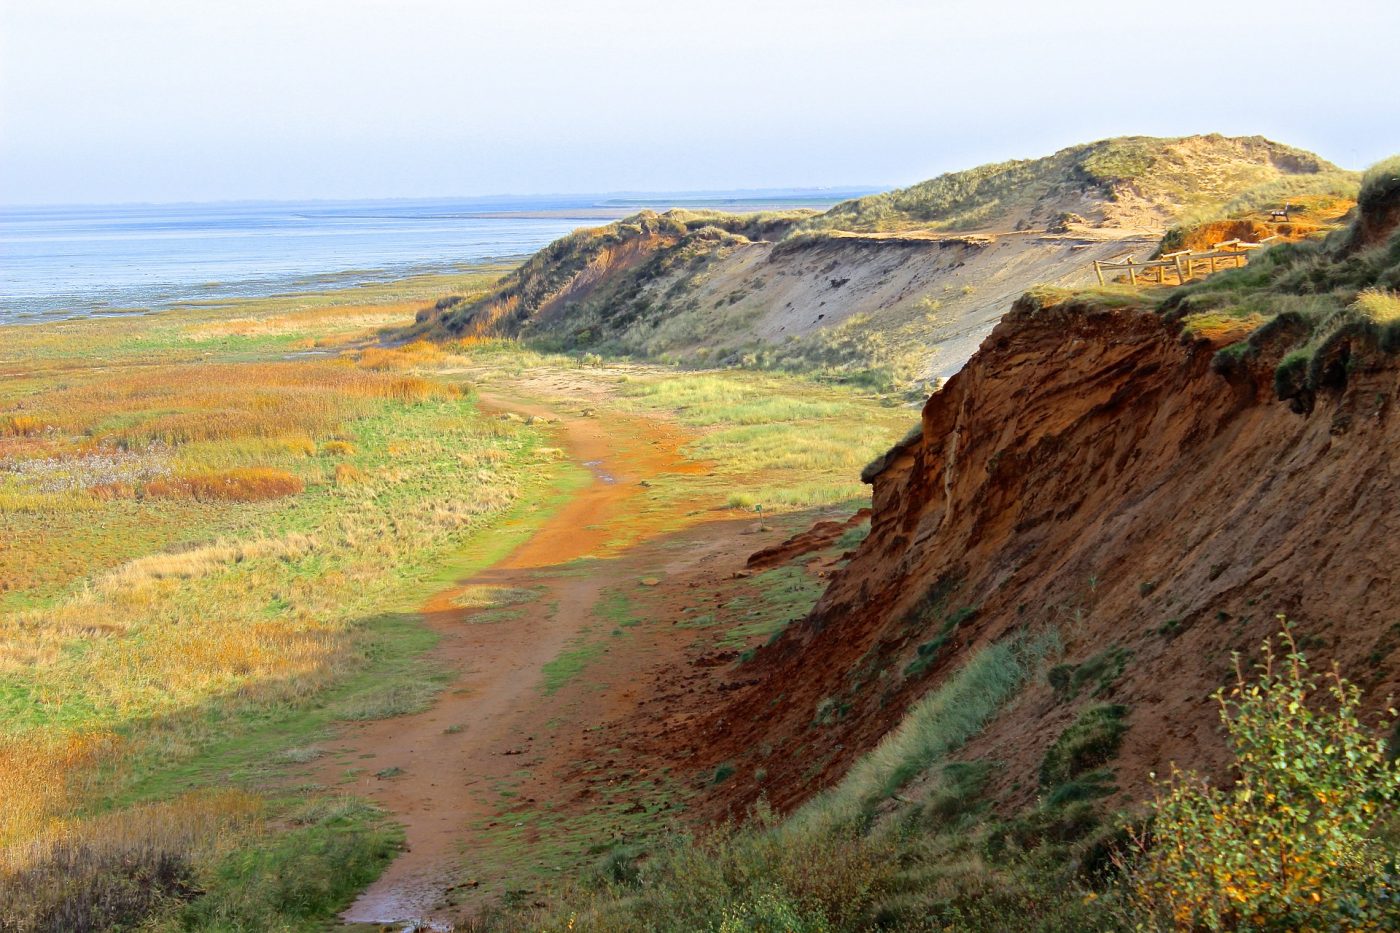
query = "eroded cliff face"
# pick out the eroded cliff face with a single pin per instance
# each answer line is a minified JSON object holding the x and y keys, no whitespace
{"x":1089,"y":472}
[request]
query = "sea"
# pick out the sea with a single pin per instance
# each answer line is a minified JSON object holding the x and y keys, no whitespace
{"x":77,"y":260}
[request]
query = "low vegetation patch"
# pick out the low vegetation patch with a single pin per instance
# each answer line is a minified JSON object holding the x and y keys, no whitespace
{"x":1092,"y":740}
{"x":249,"y":484}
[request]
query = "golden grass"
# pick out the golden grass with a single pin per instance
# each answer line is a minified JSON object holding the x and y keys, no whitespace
{"x":414,"y":355}
{"x":1378,"y":305}
{"x":201,"y":562}
{"x":1222,"y":328}
{"x":337,"y":448}
{"x":488,"y":596}
{"x":182,"y":404}
{"x":42,"y":775}
{"x":347,"y":474}
{"x":20,"y":426}
{"x":246,"y":484}
{"x":321,"y":321}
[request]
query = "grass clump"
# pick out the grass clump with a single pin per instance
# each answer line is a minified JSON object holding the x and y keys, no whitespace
{"x":1099,"y":672}
{"x":569,"y":664}
{"x":249,"y":484}
{"x":1090,"y":741}
{"x":1380,"y":184}
{"x":934,"y":726}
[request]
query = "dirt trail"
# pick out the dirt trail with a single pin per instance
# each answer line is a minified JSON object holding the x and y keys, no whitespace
{"x":438,"y":771}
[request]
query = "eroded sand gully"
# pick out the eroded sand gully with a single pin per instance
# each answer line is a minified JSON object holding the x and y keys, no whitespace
{"x":487,"y":722}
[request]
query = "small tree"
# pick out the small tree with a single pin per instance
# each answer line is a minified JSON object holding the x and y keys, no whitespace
{"x":1296,"y":844}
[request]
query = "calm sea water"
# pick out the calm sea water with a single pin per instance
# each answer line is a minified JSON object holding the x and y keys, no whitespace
{"x":79,"y":260}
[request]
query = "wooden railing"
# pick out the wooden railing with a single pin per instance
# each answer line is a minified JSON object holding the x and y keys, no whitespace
{"x":1185,"y":264}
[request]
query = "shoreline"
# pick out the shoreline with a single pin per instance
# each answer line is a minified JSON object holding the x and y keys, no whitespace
{"x":357,"y":287}
{"x":422,"y":285}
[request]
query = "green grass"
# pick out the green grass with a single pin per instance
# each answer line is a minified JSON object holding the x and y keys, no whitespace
{"x":937,"y":724}
{"x":1090,"y":741}
{"x":294,"y":878}
{"x":778,"y":442}
{"x":569,"y":664}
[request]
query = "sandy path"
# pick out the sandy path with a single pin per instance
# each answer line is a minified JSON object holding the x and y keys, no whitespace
{"x":494,"y":704}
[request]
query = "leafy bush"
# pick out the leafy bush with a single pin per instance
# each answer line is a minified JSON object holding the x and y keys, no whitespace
{"x":1293,"y":844}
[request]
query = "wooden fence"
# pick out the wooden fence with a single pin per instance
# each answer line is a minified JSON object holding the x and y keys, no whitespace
{"x":1184,"y":264}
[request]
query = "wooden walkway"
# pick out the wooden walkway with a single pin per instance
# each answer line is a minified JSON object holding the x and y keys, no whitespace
{"x":1183,"y":265}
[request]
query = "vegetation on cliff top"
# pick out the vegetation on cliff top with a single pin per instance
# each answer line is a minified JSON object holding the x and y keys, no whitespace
{"x":525,"y":291}
{"x":1327,"y":303}
{"x":1170,"y":176}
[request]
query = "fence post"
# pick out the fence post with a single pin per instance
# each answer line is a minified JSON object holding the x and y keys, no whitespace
{"x":1132,"y":276}
{"x":1180,"y":276}
{"x":1098,"y":270}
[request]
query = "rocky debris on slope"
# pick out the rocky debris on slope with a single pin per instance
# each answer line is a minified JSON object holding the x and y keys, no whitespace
{"x":819,"y":537}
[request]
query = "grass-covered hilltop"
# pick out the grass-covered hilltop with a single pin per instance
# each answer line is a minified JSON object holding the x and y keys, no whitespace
{"x":788,"y":572}
{"x":893,"y":289}
{"x":1123,"y":182}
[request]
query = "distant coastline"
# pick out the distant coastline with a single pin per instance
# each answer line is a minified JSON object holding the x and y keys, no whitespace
{"x":68,"y":261}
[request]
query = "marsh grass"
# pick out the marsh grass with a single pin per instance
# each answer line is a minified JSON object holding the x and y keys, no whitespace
{"x":780,"y":442}
{"x":196,"y":570}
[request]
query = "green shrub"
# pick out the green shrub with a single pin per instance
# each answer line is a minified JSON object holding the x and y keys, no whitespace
{"x":1293,"y":844}
{"x":769,"y":912}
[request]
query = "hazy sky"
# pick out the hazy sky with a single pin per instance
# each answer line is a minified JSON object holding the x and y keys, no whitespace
{"x":166,"y":100}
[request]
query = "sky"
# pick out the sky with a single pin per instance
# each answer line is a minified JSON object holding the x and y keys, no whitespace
{"x":109,"y":101}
